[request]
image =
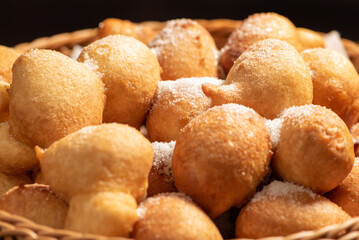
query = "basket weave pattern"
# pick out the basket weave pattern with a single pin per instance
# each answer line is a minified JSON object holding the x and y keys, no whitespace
{"x":15,"y":227}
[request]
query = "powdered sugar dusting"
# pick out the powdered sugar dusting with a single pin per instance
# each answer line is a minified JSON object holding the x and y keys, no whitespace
{"x":274,"y":127}
{"x":299,"y":111}
{"x":277,"y":189}
{"x":238,"y":109}
{"x":181,"y":86}
{"x":162,"y":158}
{"x":333,"y":41}
{"x":141,"y":210}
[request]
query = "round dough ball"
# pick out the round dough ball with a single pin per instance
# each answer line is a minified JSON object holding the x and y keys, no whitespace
{"x":160,"y":179}
{"x":8,"y":181}
{"x":268,"y":77}
{"x":185,"y":49}
{"x":221,"y":156}
{"x":36,"y":202}
{"x":7,"y":59}
{"x":109,"y":157}
{"x":310,"y":39}
{"x":282,"y":208}
{"x":346,"y":194}
{"x":315,"y":148}
{"x":51,"y":96}
{"x":173,"y":216}
{"x":335,"y":83}
{"x":258,"y":27}
{"x":174,"y":105}
{"x":130,"y":72}
{"x":103,"y":213}
{"x":15,"y":157}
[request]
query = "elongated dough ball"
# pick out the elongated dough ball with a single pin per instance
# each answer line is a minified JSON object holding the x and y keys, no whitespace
{"x":185,"y":49}
{"x":103,"y":213}
{"x":8,"y":181}
{"x":130,"y":72}
{"x":281,"y":209}
{"x":258,"y":27}
{"x":36,"y":202}
{"x":221,"y":156}
{"x":268,"y":77}
{"x":15,"y":157}
{"x":175,"y":104}
{"x":315,"y":148}
{"x":51,"y":96}
{"x":173,"y":217}
{"x":346,"y":194}
{"x":7,"y":59}
{"x":335,"y":83}
{"x":108,"y":157}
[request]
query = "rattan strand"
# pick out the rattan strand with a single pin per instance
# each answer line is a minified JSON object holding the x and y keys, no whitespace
{"x":15,"y":227}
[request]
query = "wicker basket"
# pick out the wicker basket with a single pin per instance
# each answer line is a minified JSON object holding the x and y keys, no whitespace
{"x":12,"y":226}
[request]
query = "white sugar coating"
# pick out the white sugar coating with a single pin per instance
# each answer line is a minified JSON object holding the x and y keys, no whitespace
{"x":76,"y":51}
{"x":162,"y":157}
{"x":237,"y":109}
{"x":174,"y":33}
{"x":141,"y":210}
{"x":333,"y":41}
{"x":192,"y":86}
{"x":277,"y":189}
{"x":300,"y":111}
{"x":274,"y":127}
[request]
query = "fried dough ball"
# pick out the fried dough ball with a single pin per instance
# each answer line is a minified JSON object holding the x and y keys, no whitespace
{"x":15,"y":157}
{"x":130,"y":72}
{"x":257,"y":27}
{"x":104,"y":213}
{"x":346,"y":194}
{"x":7,"y":59}
{"x":160,"y":179}
{"x":226,"y":147}
{"x":173,"y":216}
{"x":4,"y":101}
{"x":315,"y":148}
{"x":52,"y":95}
{"x":335,"y":83}
{"x":114,"y":26}
{"x":175,"y":104}
{"x":310,"y":39}
{"x":36,"y":202}
{"x":8,"y":181}
{"x":185,"y":49}
{"x":284,"y":208}
{"x":109,"y":157}
{"x":268,"y":77}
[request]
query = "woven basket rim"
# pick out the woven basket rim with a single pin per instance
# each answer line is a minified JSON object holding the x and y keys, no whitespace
{"x":17,"y":226}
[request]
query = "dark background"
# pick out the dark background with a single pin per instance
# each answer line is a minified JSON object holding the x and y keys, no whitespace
{"x":22,"y":21}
